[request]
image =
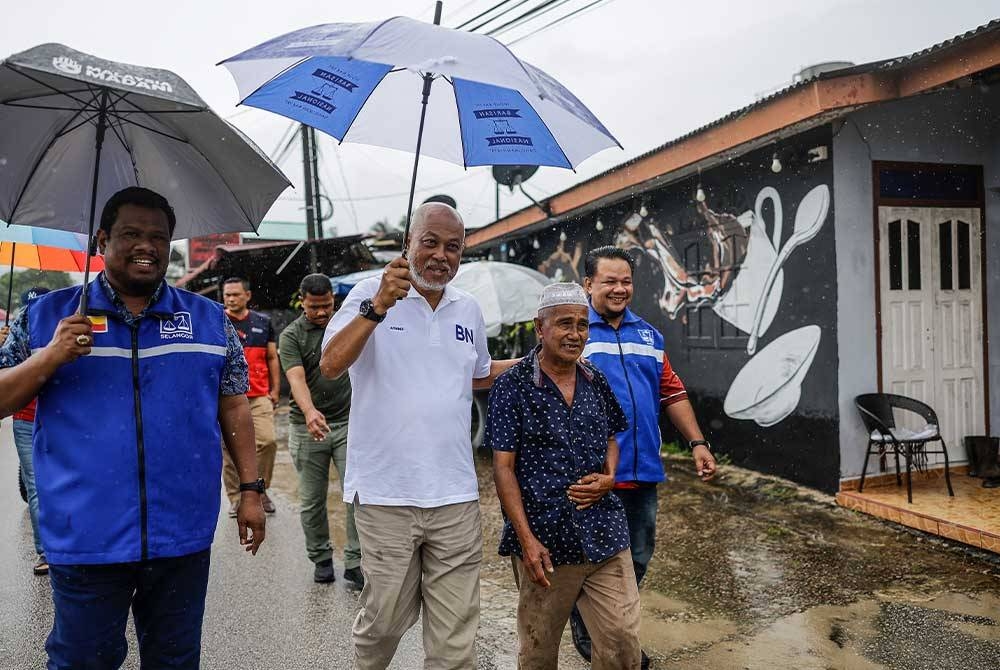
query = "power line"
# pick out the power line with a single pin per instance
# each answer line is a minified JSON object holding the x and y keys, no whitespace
{"x":498,"y":16}
{"x":285,"y":144}
{"x":482,"y":14}
{"x":461,"y":8}
{"x":577,"y":13}
{"x":526,"y":15}
{"x":343,"y":178}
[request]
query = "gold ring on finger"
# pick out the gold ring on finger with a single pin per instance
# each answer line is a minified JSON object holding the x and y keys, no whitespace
{"x":83,"y":340}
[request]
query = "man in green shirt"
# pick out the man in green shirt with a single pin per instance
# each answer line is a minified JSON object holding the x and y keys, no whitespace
{"x":317,"y":428}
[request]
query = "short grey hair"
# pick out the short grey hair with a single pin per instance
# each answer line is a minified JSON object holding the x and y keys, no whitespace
{"x":420,"y":214}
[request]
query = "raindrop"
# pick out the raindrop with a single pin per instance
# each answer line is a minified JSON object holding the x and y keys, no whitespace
{"x":535,"y":244}
{"x":599,"y":226}
{"x":562,"y":236}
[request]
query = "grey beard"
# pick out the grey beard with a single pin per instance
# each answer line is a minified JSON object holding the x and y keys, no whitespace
{"x":418,"y":280}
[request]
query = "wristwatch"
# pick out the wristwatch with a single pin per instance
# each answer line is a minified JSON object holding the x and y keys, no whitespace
{"x":694,"y":443}
{"x":257,"y":486}
{"x":367,"y":310}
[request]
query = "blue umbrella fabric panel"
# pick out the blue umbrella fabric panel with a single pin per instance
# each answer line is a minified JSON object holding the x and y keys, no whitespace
{"x":499,"y":127}
{"x":326,"y":93}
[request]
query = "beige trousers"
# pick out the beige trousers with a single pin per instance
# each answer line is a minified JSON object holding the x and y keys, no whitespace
{"x":425,"y":562}
{"x":262,"y":412}
{"x":608,"y":598}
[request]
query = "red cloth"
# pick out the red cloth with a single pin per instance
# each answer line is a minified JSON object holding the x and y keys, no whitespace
{"x":28,"y":413}
{"x":671,"y":387}
{"x":256,"y":334}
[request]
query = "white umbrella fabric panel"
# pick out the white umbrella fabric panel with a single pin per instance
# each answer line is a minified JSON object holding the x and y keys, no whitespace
{"x":166,"y":139}
{"x":507,"y":293}
{"x":370,"y":74}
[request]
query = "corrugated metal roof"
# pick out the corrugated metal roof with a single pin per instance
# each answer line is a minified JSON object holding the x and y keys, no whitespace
{"x":882,"y":65}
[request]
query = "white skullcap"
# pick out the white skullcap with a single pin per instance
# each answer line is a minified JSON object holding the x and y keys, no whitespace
{"x":562,"y":293}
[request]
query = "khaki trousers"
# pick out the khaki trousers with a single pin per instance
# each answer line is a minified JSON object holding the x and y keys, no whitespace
{"x":425,"y":562}
{"x":608,"y":598}
{"x":262,"y":412}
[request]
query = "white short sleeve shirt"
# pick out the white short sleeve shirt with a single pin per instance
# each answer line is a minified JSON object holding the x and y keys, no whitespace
{"x":408,"y":435}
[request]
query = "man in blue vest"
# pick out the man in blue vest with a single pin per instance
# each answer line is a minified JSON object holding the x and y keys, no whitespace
{"x":131,"y":400}
{"x":629,"y":351}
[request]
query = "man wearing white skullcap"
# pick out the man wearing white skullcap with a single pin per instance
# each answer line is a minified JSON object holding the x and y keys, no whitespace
{"x":551,"y":424}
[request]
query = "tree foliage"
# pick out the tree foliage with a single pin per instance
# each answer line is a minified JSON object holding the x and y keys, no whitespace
{"x":25,"y":279}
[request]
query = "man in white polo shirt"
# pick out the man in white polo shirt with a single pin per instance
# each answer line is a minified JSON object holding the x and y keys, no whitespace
{"x":415,"y":347}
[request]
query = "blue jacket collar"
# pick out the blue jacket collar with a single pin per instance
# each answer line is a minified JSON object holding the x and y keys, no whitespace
{"x":103,"y":299}
{"x":594,"y":317}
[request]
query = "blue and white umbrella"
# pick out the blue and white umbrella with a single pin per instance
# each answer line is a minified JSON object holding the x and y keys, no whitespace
{"x":364,"y":82}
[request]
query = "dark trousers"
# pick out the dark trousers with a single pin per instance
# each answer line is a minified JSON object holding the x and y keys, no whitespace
{"x":167,"y":599}
{"x":640,"y":510}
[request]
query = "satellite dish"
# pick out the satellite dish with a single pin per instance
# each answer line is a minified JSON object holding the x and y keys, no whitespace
{"x":513,"y":175}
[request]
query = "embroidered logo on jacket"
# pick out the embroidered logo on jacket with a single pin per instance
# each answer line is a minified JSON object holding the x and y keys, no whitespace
{"x":179,"y":327}
{"x":646,"y":335}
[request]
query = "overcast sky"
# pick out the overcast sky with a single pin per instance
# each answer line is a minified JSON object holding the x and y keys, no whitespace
{"x":649,"y":69}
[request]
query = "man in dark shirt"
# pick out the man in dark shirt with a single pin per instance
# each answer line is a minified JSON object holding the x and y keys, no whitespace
{"x":317,"y":428}
{"x":261,"y":351}
{"x":551,"y":422}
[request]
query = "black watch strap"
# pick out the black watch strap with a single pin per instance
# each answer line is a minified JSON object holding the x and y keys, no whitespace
{"x":257,"y":486}
{"x":694,"y":443}
{"x":367,"y":310}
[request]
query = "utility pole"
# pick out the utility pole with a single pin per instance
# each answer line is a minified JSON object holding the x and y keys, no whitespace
{"x":312,"y":192}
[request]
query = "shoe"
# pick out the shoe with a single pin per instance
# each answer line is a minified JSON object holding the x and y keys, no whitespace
{"x":234,"y":507}
{"x":354,"y":576}
{"x":645,"y":660}
{"x":323,"y":573}
{"x":581,"y":638}
{"x":266,"y":503}
{"x":42,"y":566}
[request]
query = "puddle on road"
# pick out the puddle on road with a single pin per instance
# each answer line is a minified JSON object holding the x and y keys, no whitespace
{"x":753,"y":573}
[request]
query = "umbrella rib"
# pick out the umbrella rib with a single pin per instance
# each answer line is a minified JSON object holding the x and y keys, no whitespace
{"x":370,"y":93}
{"x":46,"y":107}
{"x":67,"y":131}
{"x":56,"y":91}
{"x":114,"y":114}
{"x":119,"y":132}
{"x":265,"y":83}
{"x":35,"y":97}
{"x":37,"y":164}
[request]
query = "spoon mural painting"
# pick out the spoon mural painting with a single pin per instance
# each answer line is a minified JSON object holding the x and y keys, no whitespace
{"x":809,"y":220}
{"x":769,"y":386}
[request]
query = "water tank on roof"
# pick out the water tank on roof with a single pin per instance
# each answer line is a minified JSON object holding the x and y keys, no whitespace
{"x":820,"y":68}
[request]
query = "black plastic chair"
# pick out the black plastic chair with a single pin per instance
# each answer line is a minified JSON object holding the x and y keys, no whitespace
{"x":876,"y":413}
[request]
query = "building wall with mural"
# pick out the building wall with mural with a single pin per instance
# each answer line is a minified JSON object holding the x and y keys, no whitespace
{"x":743,"y":286}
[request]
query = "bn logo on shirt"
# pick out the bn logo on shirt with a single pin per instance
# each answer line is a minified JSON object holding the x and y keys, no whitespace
{"x":463,"y":334}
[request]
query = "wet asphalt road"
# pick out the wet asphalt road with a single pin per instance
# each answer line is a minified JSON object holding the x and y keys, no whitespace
{"x":262,"y":612}
{"x":748,"y":574}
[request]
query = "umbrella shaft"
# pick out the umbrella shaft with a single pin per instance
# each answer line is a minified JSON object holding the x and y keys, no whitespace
{"x":428,"y":80}
{"x":102,"y":126}
{"x":10,"y":284}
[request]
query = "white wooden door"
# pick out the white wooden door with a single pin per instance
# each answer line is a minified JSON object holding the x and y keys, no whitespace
{"x":932,"y":329}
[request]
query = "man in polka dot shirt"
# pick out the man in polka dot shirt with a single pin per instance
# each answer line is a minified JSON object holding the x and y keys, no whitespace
{"x":551,"y":423}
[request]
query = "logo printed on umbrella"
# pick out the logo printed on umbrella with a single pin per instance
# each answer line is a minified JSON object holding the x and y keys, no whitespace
{"x":323,"y":92}
{"x":503,"y":132}
{"x":179,"y":327}
{"x":67,"y":65}
{"x":71,"y":66}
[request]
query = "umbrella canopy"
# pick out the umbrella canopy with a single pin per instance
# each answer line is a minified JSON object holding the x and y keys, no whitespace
{"x":38,"y":257}
{"x":361,"y":82}
{"x":77,"y":128}
{"x":43,"y":236}
{"x":507,"y":293}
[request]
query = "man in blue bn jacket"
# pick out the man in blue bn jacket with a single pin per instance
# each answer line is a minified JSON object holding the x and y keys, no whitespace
{"x":629,"y":351}
{"x":131,"y":399}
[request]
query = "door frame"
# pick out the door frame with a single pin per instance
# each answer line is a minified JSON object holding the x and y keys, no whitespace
{"x":980,"y":203}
